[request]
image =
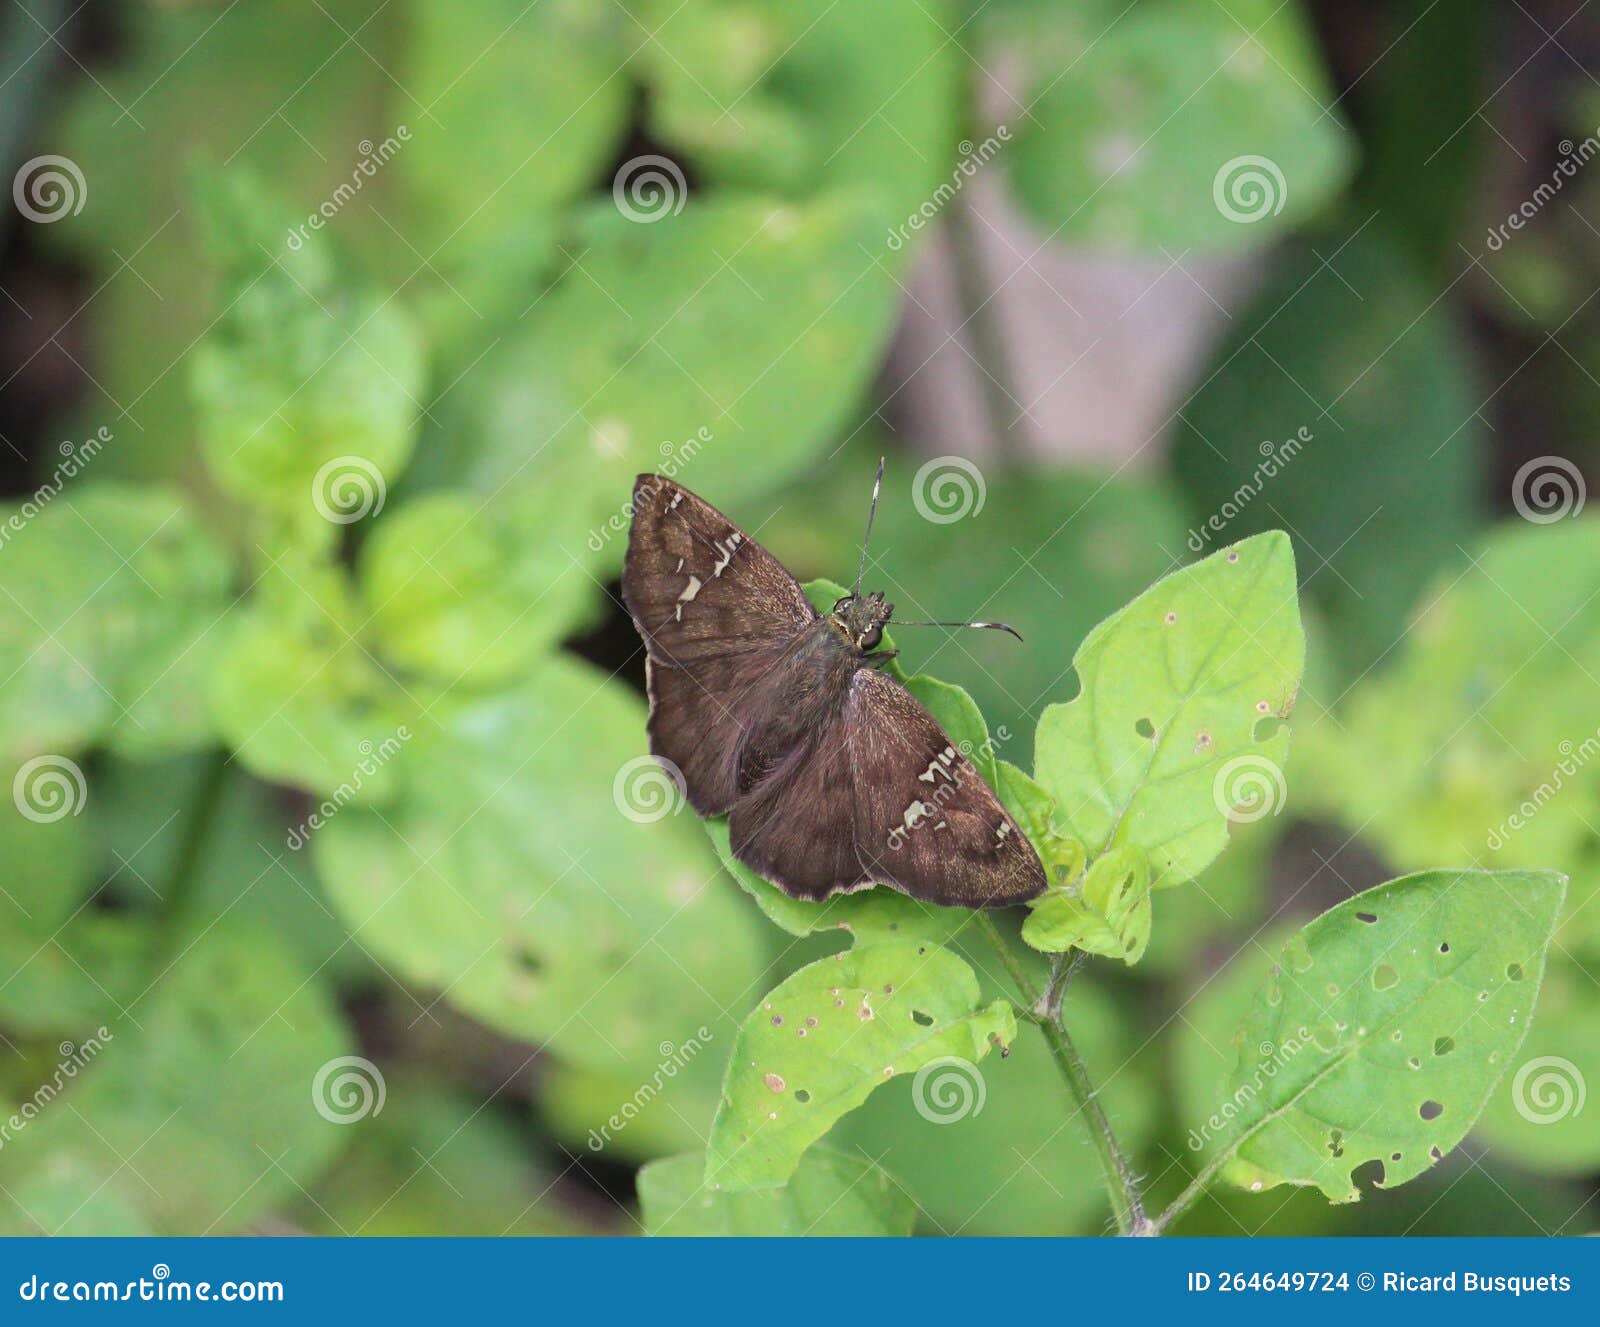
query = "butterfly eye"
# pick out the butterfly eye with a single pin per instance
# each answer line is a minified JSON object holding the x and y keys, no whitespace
{"x":872,"y":638}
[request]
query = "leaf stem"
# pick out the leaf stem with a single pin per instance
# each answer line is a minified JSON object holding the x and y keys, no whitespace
{"x":1045,"y":1012}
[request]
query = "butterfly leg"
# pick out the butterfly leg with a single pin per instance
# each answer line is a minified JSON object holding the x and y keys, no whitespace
{"x":879,"y":657}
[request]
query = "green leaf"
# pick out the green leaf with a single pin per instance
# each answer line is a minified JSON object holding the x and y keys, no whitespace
{"x":299,"y":696}
{"x":1179,"y":726}
{"x":831,"y":1033}
{"x":109,"y":593}
{"x":472,"y":592}
{"x":1333,"y":362}
{"x":608,"y":389}
{"x":307,"y":395}
{"x":197,"y":1108}
{"x":830,"y":1194}
{"x":582,"y":910}
{"x":1170,"y":125}
{"x":66,"y":1196}
{"x":1107,"y":912}
{"x":869,"y":915}
{"x":800,"y":95}
{"x":1385,"y":1025}
{"x":495,"y":154}
{"x":1536,"y":1117}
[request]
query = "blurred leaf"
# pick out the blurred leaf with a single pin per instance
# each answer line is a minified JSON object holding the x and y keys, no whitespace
{"x":298,"y":695}
{"x":1482,"y":722}
{"x":622,"y":1118}
{"x":1107,"y":912}
{"x":999,"y":1150}
{"x":1228,"y":899}
{"x":830,"y":1194}
{"x":1172,"y":125}
{"x":65,"y":1196}
{"x":491,"y":154}
{"x":539,"y":871}
{"x":471,"y":592}
{"x":108,"y":592}
{"x":307,"y":391}
{"x":1424,"y":991}
{"x":435,"y":1163}
{"x":591,"y":390}
{"x":1179,"y":727}
{"x":1536,"y":1116}
{"x":75,"y":976}
{"x":193,"y":82}
{"x":823,"y":1039}
{"x":798,"y":96}
{"x":198,"y":1110}
{"x":1348,"y":348}
{"x":47,"y":873}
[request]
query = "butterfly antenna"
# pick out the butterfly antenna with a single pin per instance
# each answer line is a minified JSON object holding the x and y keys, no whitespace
{"x":872,"y":513}
{"x":987,"y":626}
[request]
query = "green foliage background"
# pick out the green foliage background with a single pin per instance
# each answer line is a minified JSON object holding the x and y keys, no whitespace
{"x":419,"y":1016}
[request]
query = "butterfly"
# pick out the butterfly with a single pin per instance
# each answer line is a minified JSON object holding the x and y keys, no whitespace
{"x":832,"y":775}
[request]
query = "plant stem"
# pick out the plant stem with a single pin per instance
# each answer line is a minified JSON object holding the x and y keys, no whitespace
{"x":999,"y":383}
{"x":1120,"y":1184}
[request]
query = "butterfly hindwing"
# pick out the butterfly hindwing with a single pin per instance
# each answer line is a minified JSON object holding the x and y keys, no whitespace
{"x":925,"y":821}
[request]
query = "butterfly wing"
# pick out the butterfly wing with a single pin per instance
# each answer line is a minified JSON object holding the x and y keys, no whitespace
{"x":925,"y":821}
{"x":718,"y":614}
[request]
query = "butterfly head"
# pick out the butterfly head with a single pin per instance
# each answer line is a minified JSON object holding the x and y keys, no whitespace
{"x":862,"y":617}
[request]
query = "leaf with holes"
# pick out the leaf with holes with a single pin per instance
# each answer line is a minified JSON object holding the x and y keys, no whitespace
{"x":1107,"y":912}
{"x":1385,"y":1025}
{"x":1179,"y":727}
{"x":829,"y":1034}
{"x":830,"y":1194}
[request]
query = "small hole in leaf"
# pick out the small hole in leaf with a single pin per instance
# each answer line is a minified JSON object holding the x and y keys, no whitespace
{"x":1444,"y":947}
{"x":1145,"y":729}
{"x":921,"y":1019}
{"x":528,"y":962}
{"x":1336,"y":1143}
{"x":1266,"y":728}
{"x":1395,"y":1157}
{"x":1436,"y":1154}
{"x":1368,"y":917}
{"x":1513,"y":972}
{"x":1383,"y":977}
{"x":1430,"y":1110}
{"x":1414,"y":1062}
{"x":801,"y":1095}
{"x":1443,"y":1045}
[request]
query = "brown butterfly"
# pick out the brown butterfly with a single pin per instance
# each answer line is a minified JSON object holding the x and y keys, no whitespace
{"x":832,"y":775}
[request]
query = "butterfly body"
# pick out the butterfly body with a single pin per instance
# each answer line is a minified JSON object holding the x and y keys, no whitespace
{"x":832,"y":775}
